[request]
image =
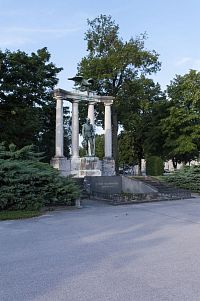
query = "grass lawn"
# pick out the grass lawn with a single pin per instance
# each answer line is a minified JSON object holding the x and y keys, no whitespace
{"x":6,"y":214}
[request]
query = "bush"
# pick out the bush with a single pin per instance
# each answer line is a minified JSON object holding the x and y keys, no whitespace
{"x":154,"y":166}
{"x":29,"y":184}
{"x":187,"y":177}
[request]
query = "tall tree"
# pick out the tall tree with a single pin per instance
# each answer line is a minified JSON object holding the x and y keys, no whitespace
{"x":113,"y":63}
{"x":27,"y":108}
{"x":142,"y":95}
{"x":154,"y":144}
{"x":182,"y":125}
{"x":126,"y":150}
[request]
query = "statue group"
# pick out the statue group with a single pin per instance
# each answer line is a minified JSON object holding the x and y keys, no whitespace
{"x":88,"y":134}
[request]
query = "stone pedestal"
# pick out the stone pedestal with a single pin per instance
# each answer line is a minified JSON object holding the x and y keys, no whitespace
{"x":90,"y":166}
{"x":108,"y":167}
{"x":75,"y":166}
{"x":86,"y":166}
{"x":62,"y":164}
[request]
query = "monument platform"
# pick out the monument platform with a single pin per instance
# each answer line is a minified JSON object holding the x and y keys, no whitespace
{"x":83,"y":167}
{"x":90,"y":166}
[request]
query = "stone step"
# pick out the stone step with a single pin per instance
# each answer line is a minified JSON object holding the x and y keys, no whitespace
{"x":162,"y":187}
{"x":164,"y":193}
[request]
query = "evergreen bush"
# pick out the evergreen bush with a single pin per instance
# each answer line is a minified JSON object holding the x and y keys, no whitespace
{"x":27,"y":183}
{"x":187,"y":177}
{"x":154,"y":166}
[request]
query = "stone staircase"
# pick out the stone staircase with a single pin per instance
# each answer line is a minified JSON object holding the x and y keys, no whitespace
{"x":165,"y":190}
{"x":162,"y":192}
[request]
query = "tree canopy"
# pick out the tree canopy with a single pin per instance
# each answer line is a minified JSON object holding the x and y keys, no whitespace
{"x":142,"y":96}
{"x":182,"y":125}
{"x":27,"y":108}
{"x":114,"y":63}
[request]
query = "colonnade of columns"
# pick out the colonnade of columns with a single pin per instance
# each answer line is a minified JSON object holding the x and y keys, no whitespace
{"x":75,"y":126}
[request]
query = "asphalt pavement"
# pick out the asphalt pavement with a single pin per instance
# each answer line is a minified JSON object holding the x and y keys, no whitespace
{"x":104,"y":253}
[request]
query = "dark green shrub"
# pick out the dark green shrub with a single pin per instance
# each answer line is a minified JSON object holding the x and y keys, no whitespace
{"x":154,"y":166}
{"x":187,"y":177}
{"x":26,"y":183}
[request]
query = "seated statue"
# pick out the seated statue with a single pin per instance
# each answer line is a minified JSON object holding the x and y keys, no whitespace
{"x":88,"y":138}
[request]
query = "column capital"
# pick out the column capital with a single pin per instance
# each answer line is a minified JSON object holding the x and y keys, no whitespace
{"x":75,"y":100}
{"x":92,"y":102}
{"x":57,"y":94}
{"x":108,"y":102}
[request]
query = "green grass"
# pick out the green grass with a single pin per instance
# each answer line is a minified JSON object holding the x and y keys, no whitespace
{"x":9,"y":215}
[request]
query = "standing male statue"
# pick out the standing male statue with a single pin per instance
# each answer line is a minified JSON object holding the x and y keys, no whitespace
{"x":88,"y":138}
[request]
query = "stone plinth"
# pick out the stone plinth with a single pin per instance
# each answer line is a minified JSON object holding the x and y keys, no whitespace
{"x":108,"y":167}
{"x":75,"y":163}
{"x":90,"y":166}
{"x":86,"y":166}
{"x":62,"y":164}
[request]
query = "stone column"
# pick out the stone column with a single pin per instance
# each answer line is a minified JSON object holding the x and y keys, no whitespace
{"x":91,"y":111}
{"x":75,"y":129}
{"x":108,"y":131}
{"x":59,"y":127}
{"x":91,"y":117}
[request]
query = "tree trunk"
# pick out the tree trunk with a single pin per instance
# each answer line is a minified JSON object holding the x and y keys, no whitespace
{"x":139,"y":165}
{"x":174,"y":162}
{"x":115,"y":140}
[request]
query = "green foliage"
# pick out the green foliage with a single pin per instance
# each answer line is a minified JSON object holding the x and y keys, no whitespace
{"x":188,"y":177}
{"x":27,"y":107}
{"x":26,"y":153}
{"x":141,"y":117}
{"x":154,"y":166}
{"x":29,"y":184}
{"x":99,"y":146}
{"x":182,"y":125}
{"x":7,"y":214}
{"x":82,"y":152}
{"x":126,"y":149}
{"x":154,"y":137}
{"x":114,"y":64}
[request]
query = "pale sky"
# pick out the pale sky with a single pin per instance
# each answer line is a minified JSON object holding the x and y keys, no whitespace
{"x":173,"y":28}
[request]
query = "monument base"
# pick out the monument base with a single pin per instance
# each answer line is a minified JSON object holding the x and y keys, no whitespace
{"x":62,"y":164}
{"x":74,"y":166}
{"x":90,"y":166}
{"x":82,"y":167}
{"x":108,"y":167}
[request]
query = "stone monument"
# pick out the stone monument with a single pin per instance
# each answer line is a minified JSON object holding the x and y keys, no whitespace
{"x":89,"y":165}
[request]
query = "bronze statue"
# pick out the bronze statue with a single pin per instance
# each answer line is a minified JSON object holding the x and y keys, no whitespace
{"x":88,"y":138}
{"x":84,"y":84}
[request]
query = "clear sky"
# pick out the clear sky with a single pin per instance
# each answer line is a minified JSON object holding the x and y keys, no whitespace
{"x":173,"y":28}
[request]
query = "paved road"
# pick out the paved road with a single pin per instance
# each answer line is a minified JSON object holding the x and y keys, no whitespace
{"x":104,"y":253}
